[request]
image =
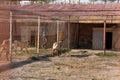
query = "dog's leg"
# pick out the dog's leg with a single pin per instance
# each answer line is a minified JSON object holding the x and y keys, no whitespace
{"x":53,"y":52}
{"x":21,"y":49}
{"x":57,"y":52}
{"x":7,"y":55}
{"x":1,"y":51}
{"x":15,"y":49}
{"x":26,"y":50}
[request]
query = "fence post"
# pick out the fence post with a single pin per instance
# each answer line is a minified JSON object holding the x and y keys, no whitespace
{"x":104,"y":37}
{"x":10,"y":48}
{"x":57,"y":30}
{"x":69,"y":34}
{"x":38,"y":37}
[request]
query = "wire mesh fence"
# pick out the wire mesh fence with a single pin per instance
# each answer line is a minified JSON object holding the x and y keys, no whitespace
{"x":31,"y":30}
{"x":23,"y":37}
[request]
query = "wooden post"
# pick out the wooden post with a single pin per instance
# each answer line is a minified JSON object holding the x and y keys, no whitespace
{"x":104,"y":37}
{"x":38,"y":37}
{"x":10,"y":48}
{"x":69,"y":35}
{"x":57,"y":30}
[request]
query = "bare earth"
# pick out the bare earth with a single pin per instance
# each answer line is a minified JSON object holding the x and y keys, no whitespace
{"x":69,"y":66}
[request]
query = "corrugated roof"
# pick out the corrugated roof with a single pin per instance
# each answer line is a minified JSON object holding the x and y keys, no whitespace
{"x":66,"y":9}
{"x":71,"y":9}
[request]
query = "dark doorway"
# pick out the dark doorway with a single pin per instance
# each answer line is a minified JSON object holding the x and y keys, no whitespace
{"x":108,"y":40}
{"x":33,"y":39}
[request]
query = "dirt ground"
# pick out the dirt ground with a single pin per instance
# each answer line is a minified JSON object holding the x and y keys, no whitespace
{"x":73,"y":65}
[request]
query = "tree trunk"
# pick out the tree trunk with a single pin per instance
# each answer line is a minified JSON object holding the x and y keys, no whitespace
{"x":105,"y":2}
{"x":69,"y":1}
{"x":79,"y":1}
{"x":118,"y":1}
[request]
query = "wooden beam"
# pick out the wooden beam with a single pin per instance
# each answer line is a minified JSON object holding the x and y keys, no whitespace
{"x":69,"y":35}
{"x":104,"y":37}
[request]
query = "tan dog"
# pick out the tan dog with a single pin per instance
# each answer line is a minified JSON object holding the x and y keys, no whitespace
{"x":57,"y":46}
{"x":4,"y":48}
{"x":20,"y":44}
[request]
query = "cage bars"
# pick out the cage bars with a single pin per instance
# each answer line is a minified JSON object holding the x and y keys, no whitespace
{"x":68,"y":20}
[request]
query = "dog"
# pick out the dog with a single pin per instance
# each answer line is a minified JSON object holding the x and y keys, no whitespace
{"x":20,"y":44}
{"x":4,"y":48}
{"x":57,"y":47}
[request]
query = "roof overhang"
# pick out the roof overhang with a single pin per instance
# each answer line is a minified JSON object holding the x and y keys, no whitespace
{"x":88,"y":13}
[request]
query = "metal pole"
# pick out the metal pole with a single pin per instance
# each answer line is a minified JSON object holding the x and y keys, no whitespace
{"x":57,"y":30}
{"x":104,"y":37}
{"x":10,"y":48}
{"x":38,"y":37}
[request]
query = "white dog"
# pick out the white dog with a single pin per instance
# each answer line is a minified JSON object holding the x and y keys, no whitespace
{"x":57,"y":46}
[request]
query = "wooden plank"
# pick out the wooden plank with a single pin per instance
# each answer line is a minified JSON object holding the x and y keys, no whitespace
{"x":97,"y":39}
{"x":116,"y":40}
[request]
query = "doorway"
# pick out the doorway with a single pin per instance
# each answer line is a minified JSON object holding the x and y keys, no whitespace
{"x":108,"y":40}
{"x":33,"y":39}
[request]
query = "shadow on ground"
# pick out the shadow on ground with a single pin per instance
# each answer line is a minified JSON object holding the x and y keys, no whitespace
{"x":81,"y":55}
{"x":14,"y":65}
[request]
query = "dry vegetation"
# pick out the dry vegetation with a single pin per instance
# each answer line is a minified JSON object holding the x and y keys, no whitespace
{"x":72,"y":65}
